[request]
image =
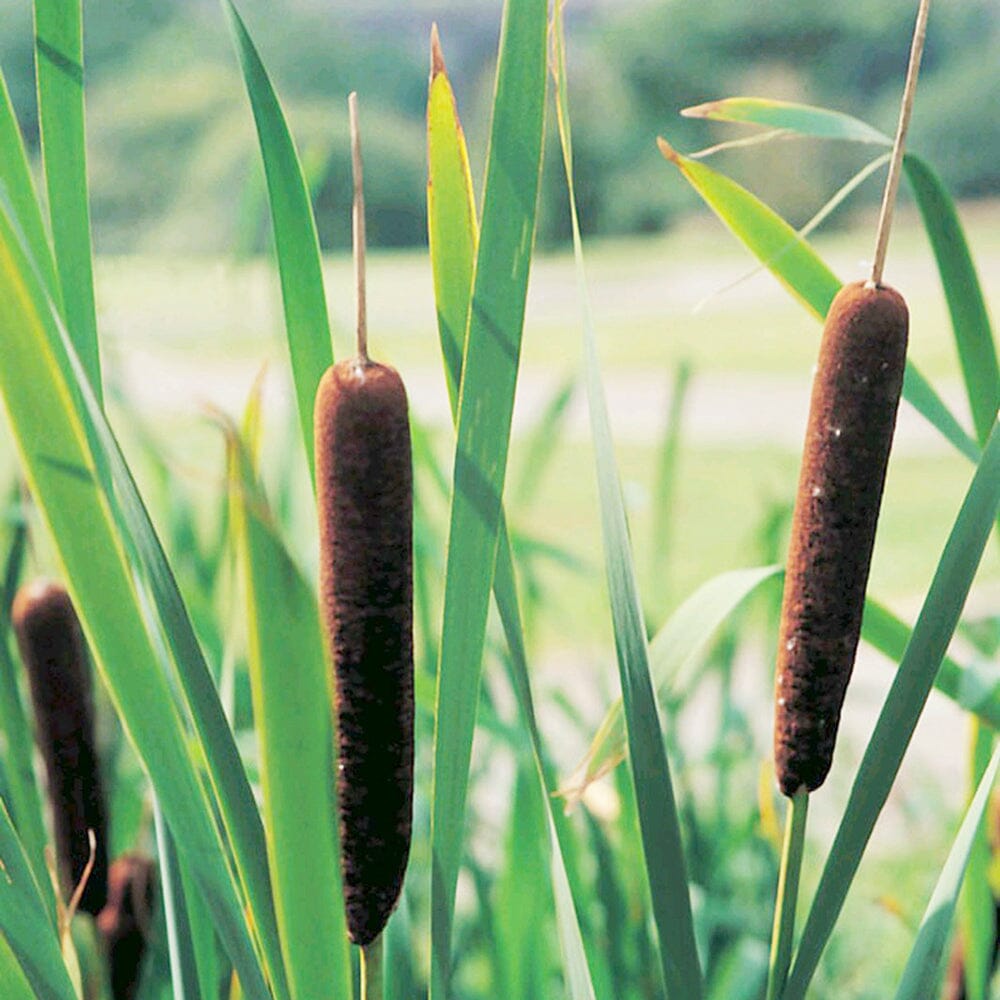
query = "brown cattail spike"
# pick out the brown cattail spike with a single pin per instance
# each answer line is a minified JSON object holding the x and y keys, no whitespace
{"x":364,"y":495}
{"x":53,"y":651}
{"x":124,"y":923}
{"x":851,"y":420}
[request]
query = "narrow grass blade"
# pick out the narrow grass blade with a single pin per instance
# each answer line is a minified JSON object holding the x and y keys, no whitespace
{"x":976,"y":907}
{"x":920,"y":394}
{"x":18,"y":189}
{"x":798,"y":267}
{"x":294,"y":721}
{"x":903,"y":705}
{"x":452,"y":227}
{"x":489,"y":376}
{"x":891,"y":635}
{"x":45,"y":389}
{"x":454,"y":242}
{"x":59,"y":67}
{"x":297,"y":246}
{"x":677,"y":644}
{"x":24,"y":801}
{"x":922,"y":974}
{"x":13,"y":984}
{"x":575,"y":963}
{"x":520,"y":906}
{"x":963,"y":292}
{"x":663,"y":849}
{"x":184,"y":979}
{"x":25,"y":922}
{"x":802,"y":119}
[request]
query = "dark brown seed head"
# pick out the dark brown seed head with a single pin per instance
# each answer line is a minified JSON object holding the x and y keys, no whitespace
{"x":54,"y":655}
{"x":124,"y":923}
{"x":851,"y":420}
{"x":364,"y":494}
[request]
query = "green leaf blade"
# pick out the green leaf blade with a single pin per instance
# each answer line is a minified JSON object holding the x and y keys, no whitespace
{"x":53,"y":441}
{"x":659,"y":821}
{"x":296,"y":242}
{"x":791,"y":116}
{"x":963,"y":292}
{"x":294,"y":721}
{"x":59,"y":67}
{"x":492,"y":354}
{"x":922,"y":973}
{"x":25,"y":922}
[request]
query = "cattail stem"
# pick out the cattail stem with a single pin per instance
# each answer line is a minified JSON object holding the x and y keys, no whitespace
{"x":788,"y":893}
{"x":373,"y":970}
{"x":899,"y":145}
{"x":358,"y":229}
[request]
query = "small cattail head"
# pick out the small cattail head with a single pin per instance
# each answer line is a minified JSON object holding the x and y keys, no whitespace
{"x":852,"y":415}
{"x":124,"y":923}
{"x":365,"y":500}
{"x":53,"y":651}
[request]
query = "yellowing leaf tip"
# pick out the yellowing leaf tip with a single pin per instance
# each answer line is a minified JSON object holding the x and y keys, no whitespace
{"x":437,"y":56}
{"x":701,"y":110}
{"x":667,"y":150}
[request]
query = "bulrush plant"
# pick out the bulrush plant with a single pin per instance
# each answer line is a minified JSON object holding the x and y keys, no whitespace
{"x":852,"y":416}
{"x":267,"y":805}
{"x":364,"y":493}
{"x":54,"y":654}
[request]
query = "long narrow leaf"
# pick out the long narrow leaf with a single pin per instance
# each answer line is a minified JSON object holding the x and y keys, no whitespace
{"x":59,"y":67}
{"x":24,"y":801}
{"x":803,"y":119}
{"x":963,"y":292}
{"x":677,"y":644}
{"x":26,"y":924}
{"x":903,"y":705}
{"x":452,"y":227}
{"x":43,"y":383}
{"x":891,"y":635}
{"x":13,"y":984}
{"x":798,"y":267}
{"x":453,"y":234}
{"x":296,"y":243}
{"x":294,"y":721}
{"x":184,"y":978}
{"x":663,"y":849}
{"x":489,"y":376}
{"x":17,"y":186}
{"x":923,"y":968}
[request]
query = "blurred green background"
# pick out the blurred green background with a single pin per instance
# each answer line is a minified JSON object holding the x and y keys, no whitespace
{"x":174,"y":166}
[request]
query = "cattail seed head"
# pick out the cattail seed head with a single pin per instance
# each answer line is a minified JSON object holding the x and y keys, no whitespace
{"x":124,"y":923}
{"x":52,"y":649}
{"x":849,"y":432}
{"x":364,"y":495}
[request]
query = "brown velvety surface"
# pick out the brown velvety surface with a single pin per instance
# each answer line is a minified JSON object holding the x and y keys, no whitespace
{"x":124,"y":923}
{"x":365,"y":498}
{"x":52,"y":649}
{"x":851,"y":420}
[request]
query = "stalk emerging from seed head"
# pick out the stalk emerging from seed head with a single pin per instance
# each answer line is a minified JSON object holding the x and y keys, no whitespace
{"x":365,"y":502}
{"x":54,"y":654}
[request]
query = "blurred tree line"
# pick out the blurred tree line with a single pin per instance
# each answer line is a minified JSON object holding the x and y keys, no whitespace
{"x":172,"y":150}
